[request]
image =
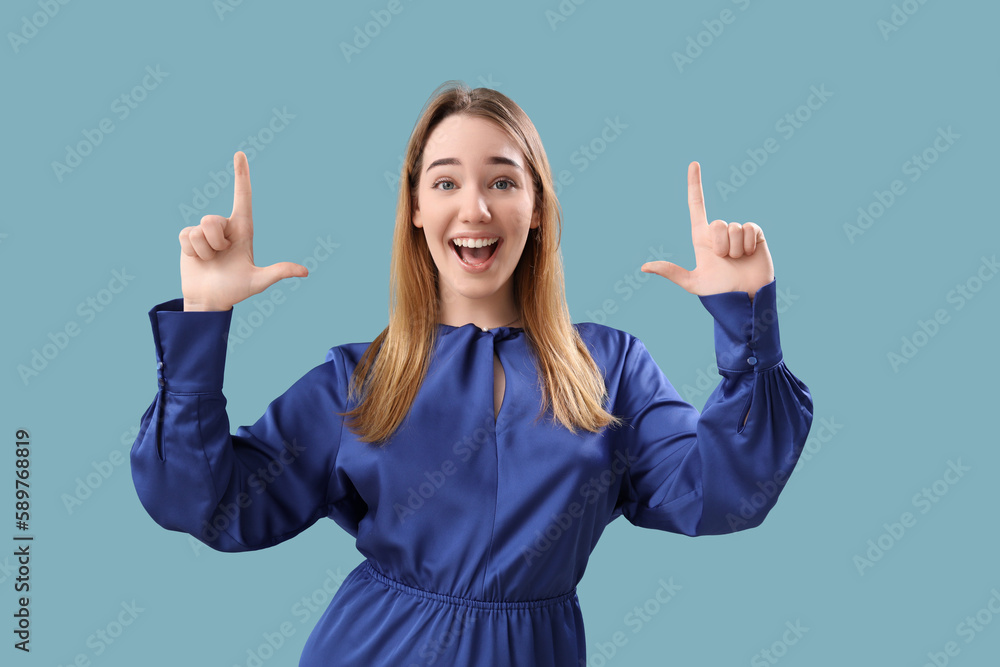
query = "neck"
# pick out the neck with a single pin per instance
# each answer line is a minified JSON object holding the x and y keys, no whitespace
{"x":497,"y":310}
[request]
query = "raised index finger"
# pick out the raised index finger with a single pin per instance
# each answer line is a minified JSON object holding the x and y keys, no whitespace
{"x":696,"y":198}
{"x":241,"y":186}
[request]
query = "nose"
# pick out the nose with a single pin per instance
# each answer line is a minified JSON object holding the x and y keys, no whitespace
{"x":474,"y":206}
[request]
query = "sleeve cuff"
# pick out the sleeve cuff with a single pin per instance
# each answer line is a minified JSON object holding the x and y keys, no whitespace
{"x":190,"y":347}
{"x":746,"y":334}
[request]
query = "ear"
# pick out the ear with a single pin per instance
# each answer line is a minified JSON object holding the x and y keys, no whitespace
{"x":536,"y":218}
{"x":417,"y":222}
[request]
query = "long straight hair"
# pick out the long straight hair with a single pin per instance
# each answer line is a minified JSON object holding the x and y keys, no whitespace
{"x":389,"y":374}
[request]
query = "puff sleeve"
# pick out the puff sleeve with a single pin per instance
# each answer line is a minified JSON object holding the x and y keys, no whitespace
{"x":721,"y":470}
{"x":249,"y":490}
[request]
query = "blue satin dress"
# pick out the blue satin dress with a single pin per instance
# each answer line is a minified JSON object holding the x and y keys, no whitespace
{"x":475,"y":530}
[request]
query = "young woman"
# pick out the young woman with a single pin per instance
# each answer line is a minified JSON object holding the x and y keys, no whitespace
{"x":478,"y":447}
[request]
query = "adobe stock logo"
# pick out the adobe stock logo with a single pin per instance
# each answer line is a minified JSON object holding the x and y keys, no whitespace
{"x":637,"y":619}
{"x":88,"y":310}
{"x":926,"y":330}
{"x":900,"y":14}
{"x":786,"y":125}
{"x":30,"y":28}
{"x":714,"y":28}
{"x":915,"y":167}
{"x":363,"y":38}
{"x":924,"y":500}
{"x":122,"y":106}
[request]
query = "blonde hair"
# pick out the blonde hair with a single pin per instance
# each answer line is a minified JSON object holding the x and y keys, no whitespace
{"x":389,"y":374}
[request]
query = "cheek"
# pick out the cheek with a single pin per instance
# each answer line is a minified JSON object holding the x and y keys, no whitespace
{"x":518,"y":213}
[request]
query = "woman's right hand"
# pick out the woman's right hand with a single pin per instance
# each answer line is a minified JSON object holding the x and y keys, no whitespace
{"x":217,"y":269}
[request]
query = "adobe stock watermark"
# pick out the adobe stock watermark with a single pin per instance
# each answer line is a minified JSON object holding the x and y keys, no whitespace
{"x":87,"y":310}
{"x":968,"y":629}
{"x":392,"y":178}
{"x":926,"y":330}
{"x":104,"y":638}
{"x":99,"y":472}
{"x":364,"y":35}
{"x":924,"y":501}
{"x":30,"y":26}
{"x":218,"y":180}
{"x":898,"y":17}
{"x":629,"y":284}
{"x":265,"y":304}
{"x":779,"y":648}
{"x":223,"y":7}
{"x":122,"y":106}
{"x":750,"y":506}
{"x":303,"y":609}
{"x":786,"y":125}
{"x":562,"y":12}
{"x":915,"y":167}
{"x":593,"y":490}
{"x":258,"y":481}
{"x":636,"y":619}
{"x":436,"y":647}
{"x":433,"y":479}
{"x":696,"y":44}
{"x":586,"y":154}
{"x":8,"y":569}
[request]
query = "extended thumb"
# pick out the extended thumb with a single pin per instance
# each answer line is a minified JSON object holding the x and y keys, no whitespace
{"x":668,"y":270}
{"x":269,"y":275}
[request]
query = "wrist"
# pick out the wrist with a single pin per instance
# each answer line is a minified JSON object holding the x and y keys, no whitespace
{"x":194,"y":306}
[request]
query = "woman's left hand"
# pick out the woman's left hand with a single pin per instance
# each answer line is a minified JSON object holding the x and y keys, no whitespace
{"x":728,"y":257}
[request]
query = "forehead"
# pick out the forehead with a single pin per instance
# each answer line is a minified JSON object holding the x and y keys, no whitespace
{"x":460,"y":136}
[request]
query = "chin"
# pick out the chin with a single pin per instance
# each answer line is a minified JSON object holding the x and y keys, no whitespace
{"x":477,"y":287}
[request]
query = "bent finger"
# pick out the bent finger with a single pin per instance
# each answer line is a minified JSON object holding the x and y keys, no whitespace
{"x":185,"y":242}
{"x":750,"y":231}
{"x":201,"y":246}
{"x":214,"y":230}
{"x":735,"y":240}
{"x":720,"y":237}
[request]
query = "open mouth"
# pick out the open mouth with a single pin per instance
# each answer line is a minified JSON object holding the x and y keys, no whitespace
{"x":475,"y":257}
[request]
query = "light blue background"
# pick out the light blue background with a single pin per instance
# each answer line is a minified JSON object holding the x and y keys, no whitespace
{"x":324,"y":175}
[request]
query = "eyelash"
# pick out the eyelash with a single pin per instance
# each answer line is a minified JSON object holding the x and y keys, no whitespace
{"x":448,"y":180}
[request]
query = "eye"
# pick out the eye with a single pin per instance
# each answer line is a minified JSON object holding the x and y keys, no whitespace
{"x":443,"y":181}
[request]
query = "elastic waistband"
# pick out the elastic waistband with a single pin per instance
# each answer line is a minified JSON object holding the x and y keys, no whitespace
{"x":468,"y":602}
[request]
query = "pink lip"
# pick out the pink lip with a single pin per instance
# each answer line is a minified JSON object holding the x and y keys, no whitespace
{"x":485,"y":265}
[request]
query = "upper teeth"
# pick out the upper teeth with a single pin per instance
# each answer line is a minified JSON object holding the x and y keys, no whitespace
{"x":475,"y":243}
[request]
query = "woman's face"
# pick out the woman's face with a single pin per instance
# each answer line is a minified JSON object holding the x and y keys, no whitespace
{"x":474,"y":184}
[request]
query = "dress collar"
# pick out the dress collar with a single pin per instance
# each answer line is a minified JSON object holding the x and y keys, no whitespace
{"x":470,"y":328}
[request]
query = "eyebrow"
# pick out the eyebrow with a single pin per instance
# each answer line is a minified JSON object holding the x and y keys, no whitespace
{"x":495,"y":159}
